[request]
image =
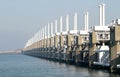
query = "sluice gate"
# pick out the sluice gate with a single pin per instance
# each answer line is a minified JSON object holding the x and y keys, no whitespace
{"x":98,"y":46}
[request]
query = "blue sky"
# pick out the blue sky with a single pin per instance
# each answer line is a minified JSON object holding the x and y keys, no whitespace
{"x":20,"y":19}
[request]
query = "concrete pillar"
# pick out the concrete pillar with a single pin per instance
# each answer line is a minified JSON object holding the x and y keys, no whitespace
{"x":34,"y":45}
{"x":56,"y":41}
{"x":69,"y":44}
{"x":69,"y":40}
{"x":78,"y":48}
{"x":40,"y":46}
{"x":92,"y":47}
{"x":48,"y":43}
{"x":52,"y":41}
{"x":44,"y":43}
{"x":45,"y":47}
{"x":37,"y":45}
{"x":61,"y":41}
{"x":114,"y":47}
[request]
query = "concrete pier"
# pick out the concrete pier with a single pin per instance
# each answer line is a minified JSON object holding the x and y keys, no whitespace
{"x":114,"y":46}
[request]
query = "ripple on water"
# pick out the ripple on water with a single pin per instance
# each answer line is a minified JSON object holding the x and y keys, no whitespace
{"x":26,"y":66}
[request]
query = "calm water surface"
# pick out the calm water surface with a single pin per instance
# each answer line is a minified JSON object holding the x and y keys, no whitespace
{"x":18,"y":65}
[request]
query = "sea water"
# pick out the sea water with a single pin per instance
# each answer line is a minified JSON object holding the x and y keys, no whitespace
{"x":18,"y":65}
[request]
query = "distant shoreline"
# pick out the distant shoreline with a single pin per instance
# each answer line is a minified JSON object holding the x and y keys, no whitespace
{"x":17,"y":51}
{"x":9,"y":53}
